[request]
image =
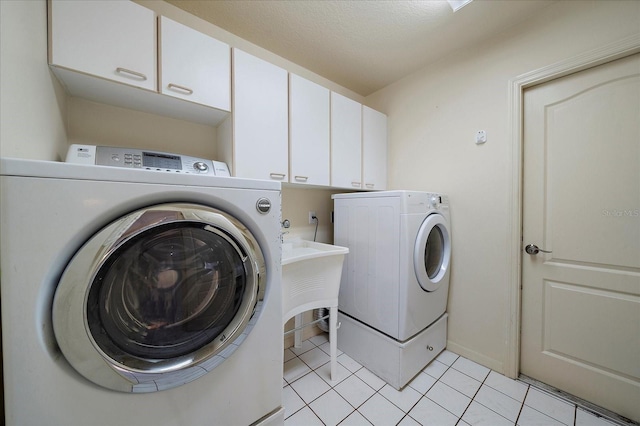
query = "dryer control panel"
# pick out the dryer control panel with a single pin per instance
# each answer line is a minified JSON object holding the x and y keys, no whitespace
{"x":437,"y":200}
{"x":144,"y":160}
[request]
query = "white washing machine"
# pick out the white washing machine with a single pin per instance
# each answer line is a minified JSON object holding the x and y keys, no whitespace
{"x":395,"y":281}
{"x":139,"y":297}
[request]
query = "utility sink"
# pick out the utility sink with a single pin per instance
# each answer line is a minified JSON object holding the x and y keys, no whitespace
{"x":311,"y":275}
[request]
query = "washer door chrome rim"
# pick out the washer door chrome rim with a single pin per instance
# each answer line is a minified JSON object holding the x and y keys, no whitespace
{"x":159,"y":297}
{"x":432,"y":252}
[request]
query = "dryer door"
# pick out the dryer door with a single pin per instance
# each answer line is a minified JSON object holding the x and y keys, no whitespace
{"x":159,"y":297}
{"x":432,"y":252}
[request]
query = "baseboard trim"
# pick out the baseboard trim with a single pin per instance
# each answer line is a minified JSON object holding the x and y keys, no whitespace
{"x":474,"y":356}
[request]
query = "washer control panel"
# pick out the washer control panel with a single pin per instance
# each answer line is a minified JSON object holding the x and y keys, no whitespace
{"x":144,"y":160}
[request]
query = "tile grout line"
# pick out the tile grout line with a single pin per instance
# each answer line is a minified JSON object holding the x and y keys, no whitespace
{"x":522,"y":405}
{"x":474,"y":395}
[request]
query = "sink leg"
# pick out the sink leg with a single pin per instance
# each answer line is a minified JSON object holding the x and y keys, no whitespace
{"x":297,"y":335}
{"x":333,"y":339}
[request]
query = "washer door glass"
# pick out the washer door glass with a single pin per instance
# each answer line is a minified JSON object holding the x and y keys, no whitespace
{"x":432,"y":252}
{"x":159,"y":297}
{"x":166,"y":292}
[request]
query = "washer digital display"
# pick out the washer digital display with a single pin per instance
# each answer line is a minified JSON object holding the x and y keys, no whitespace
{"x":161,"y":161}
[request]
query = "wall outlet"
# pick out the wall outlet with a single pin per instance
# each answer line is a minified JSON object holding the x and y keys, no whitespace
{"x":312,"y":221}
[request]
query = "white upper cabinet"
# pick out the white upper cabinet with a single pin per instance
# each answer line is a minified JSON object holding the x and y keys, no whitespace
{"x":260,"y":119}
{"x":115,"y":40}
{"x":374,"y":149}
{"x":346,"y":142}
{"x":194,"y":66}
{"x":94,"y":45}
{"x":309,"y":142}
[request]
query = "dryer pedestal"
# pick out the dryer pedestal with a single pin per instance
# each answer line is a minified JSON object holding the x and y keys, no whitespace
{"x":393,"y":361}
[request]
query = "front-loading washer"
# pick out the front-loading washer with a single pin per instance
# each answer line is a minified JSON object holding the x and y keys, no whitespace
{"x":395,"y":281}
{"x":138,"y":297}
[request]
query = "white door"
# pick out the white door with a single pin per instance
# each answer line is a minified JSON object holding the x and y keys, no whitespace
{"x":581,"y":202}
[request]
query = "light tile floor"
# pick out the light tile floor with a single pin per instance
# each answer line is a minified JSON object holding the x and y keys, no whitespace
{"x":452,"y":390}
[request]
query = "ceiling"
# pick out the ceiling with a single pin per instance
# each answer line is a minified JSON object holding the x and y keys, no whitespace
{"x":363,"y":45}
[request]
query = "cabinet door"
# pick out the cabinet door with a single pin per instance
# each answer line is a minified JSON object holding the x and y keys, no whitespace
{"x":260,"y":118}
{"x":115,"y":40}
{"x":374,"y":149}
{"x":194,"y":66}
{"x":308,"y":132}
{"x":346,"y":142}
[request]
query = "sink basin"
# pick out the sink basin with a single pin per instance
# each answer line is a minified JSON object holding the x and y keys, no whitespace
{"x":311,"y":275}
{"x":301,"y":250}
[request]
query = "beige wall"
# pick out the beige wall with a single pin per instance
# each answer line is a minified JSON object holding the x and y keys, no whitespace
{"x":297,"y":202}
{"x":433,"y":117}
{"x":99,"y":124}
{"x":32,"y":102}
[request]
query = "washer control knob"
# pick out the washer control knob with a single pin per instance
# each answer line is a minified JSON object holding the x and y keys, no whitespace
{"x":200,"y":166}
{"x":263,"y":205}
{"x":434,"y":200}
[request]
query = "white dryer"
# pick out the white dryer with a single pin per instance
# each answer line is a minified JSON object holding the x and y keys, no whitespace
{"x":138,"y":297}
{"x":395,"y":281}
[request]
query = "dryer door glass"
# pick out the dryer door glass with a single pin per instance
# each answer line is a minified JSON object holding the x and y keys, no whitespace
{"x":432,"y":252}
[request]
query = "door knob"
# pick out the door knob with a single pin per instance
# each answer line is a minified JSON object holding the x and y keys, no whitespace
{"x":533,"y":249}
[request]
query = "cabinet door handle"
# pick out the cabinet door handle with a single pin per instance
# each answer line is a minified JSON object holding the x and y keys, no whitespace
{"x":130,"y":73}
{"x":370,"y":185}
{"x":179,"y":88}
{"x":302,"y":178}
{"x":277,"y":175}
{"x":356,"y":184}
